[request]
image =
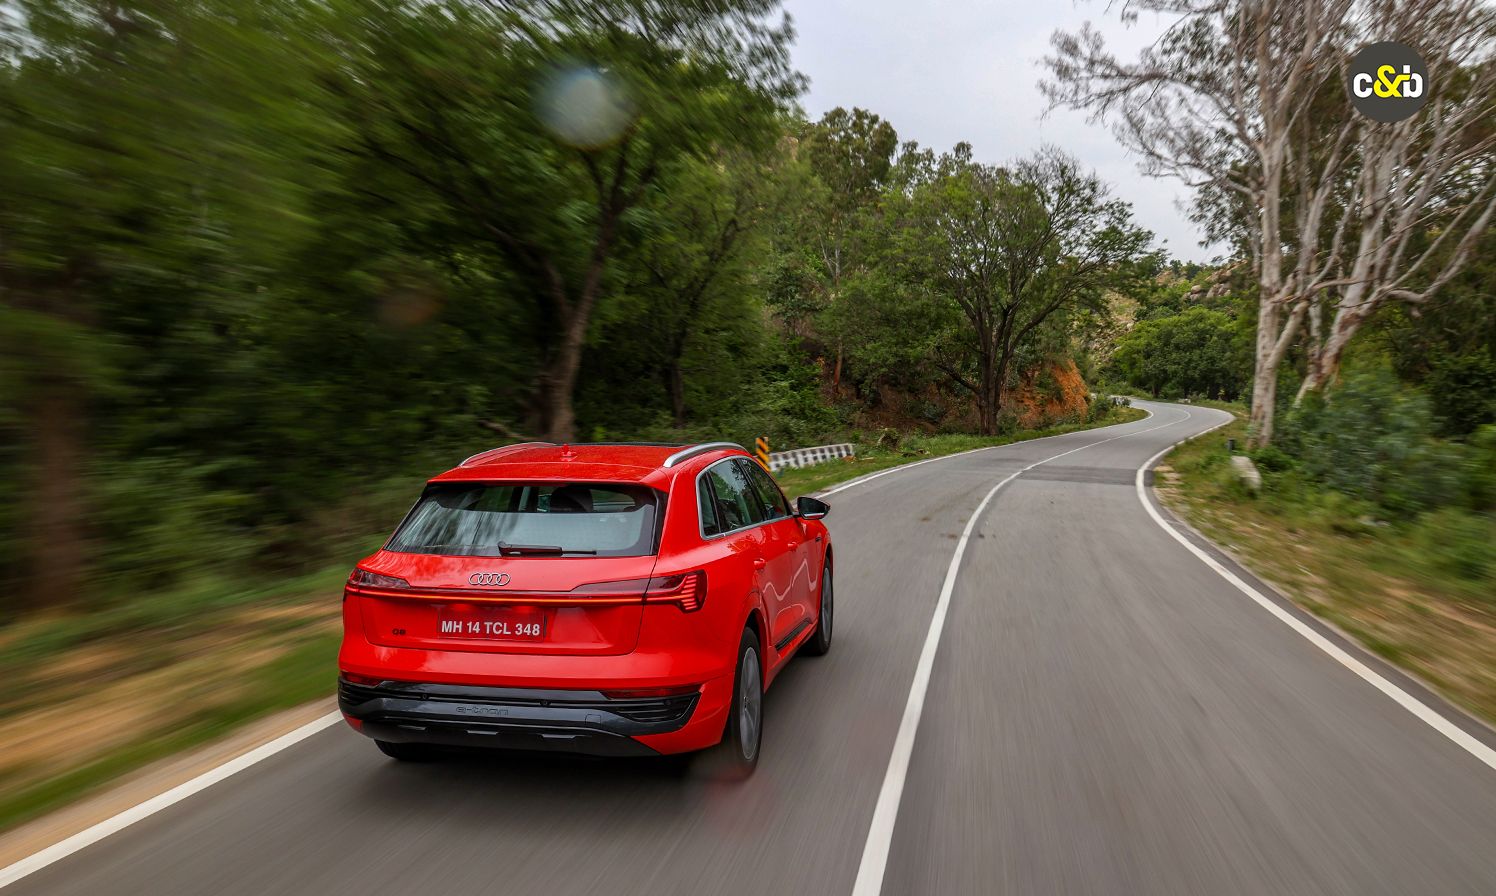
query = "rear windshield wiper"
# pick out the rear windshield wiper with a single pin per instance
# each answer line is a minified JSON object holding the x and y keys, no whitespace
{"x":522,"y":549}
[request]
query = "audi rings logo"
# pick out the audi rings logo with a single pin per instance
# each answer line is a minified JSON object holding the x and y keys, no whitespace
{"x":489,"y":579}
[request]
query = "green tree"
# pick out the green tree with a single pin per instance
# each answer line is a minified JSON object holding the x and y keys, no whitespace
{"x":1200,"y":352}
{"x":694,"y":254}
{"x":532,"y":165}
{"x":849,"y":162}
{"x":1010,"y":250}
{"x":148,"y":193}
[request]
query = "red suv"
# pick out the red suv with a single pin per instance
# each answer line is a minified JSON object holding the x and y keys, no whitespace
{"x":612,"y":599}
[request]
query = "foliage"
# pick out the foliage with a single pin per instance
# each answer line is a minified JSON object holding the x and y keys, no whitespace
{"x":1199,"y":352}
{"x":522,"y":163}
{"x":1463,"y":390}
{"x":1371,"y":439}
{"x":1337,"y":214}
{"x":999,"y":259}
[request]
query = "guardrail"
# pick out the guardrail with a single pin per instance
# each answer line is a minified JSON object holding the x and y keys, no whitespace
{"x":804,"y":457}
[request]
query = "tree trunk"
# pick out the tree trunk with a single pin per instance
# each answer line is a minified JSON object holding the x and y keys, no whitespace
{"x":55,"y":554}
{"x":675,"y":384}
{"x":557,"y":414}
{"x":558,"y":380}
{"x":1264,"y":377}
{"x":1264,"y":399}
{"x":1324,"y":359}
{"x":988,"y":396}
{"x":1274,"y":336}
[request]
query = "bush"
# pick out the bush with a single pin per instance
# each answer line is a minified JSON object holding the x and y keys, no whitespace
{"x":1272,"y":459}
{"x":1481,"y":483}
{"x":1370,"y":439}
{"x":1459,"y":543}
{"x":1463,"y":389}
{"x":1344,"y":514}
{"x":156,"y":522}
{"x":1435,"y":474}
{"x":931,"y":412}
{"x":1102,"y":406}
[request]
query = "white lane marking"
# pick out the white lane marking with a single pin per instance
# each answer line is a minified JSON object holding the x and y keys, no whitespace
{"x":1463,"y":739}
{"x":885,"y":814}
{"x":87,"y":837}
{"x":919,"y":463}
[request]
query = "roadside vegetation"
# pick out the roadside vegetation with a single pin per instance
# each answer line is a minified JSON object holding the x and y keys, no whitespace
{"x":1406,"y":566}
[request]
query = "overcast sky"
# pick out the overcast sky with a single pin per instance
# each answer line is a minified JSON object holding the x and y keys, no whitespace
{"x":942,"y":71}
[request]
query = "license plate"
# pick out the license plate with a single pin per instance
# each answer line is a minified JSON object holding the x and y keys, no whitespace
{"x":492,"y":623}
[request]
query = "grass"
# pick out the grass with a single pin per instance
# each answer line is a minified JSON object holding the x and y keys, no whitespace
{"x":1417,"y":593}
{"x":96,"y":696}
{"x":1234,"y":407}
{"x":300,"y":675}
{"x":162,"y":673}
{"x":910,"y":448}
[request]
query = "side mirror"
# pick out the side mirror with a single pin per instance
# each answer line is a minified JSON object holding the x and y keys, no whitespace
{"x":808,"y":508}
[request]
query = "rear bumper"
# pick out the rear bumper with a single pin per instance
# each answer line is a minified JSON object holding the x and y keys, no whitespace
{"x":573,"y":721}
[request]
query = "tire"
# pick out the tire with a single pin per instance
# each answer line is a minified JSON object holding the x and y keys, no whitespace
{"x":406,"y":752}
{"x":736,"y":756}
{"x":819,"y":643}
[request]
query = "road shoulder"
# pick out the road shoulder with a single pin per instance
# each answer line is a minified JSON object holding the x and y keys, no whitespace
{"x":1423,"y":692}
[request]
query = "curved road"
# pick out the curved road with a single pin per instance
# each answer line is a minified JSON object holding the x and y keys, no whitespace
{"x":1104,"y":714}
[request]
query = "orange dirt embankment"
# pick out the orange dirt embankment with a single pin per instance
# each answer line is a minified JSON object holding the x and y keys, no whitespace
{"x":1049,"y":394}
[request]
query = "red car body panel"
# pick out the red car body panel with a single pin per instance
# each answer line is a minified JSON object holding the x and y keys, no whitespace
{"x":609,"y":639}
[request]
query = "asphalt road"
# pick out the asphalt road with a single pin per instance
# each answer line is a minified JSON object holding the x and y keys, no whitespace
{"x":1105,"y":714}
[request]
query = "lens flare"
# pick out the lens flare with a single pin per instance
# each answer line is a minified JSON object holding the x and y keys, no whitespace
{"x":584,"y":106}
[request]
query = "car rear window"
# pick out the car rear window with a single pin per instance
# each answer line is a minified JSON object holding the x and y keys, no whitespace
{"x":552,"y":519}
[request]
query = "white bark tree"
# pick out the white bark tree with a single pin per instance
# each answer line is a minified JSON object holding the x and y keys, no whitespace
{"x":1338,"y":214}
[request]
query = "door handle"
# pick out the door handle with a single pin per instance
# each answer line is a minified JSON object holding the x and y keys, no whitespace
{"x":792,"y":545}
{"x":758,"y":563}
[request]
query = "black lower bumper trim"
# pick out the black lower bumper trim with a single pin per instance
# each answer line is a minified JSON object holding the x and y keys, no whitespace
{"x":513,"y":718}
{"x":497,"y":737}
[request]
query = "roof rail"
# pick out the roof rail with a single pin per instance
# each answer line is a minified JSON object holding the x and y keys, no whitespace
{"x":505,"y":449}
{"x":692,"y":451}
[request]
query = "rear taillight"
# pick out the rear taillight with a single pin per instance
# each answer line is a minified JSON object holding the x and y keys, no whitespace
{"x":362,"y":578}
{"x":688,"y":591}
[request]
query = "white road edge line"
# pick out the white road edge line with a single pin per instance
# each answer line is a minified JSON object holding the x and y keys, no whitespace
{"x":886,"y":813}
{"x":920,"y":463}
{"x":87,"y":837}
{"x":1434,"y":720}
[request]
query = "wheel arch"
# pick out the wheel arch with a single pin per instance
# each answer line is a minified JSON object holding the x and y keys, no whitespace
{"x":756,"y":622}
